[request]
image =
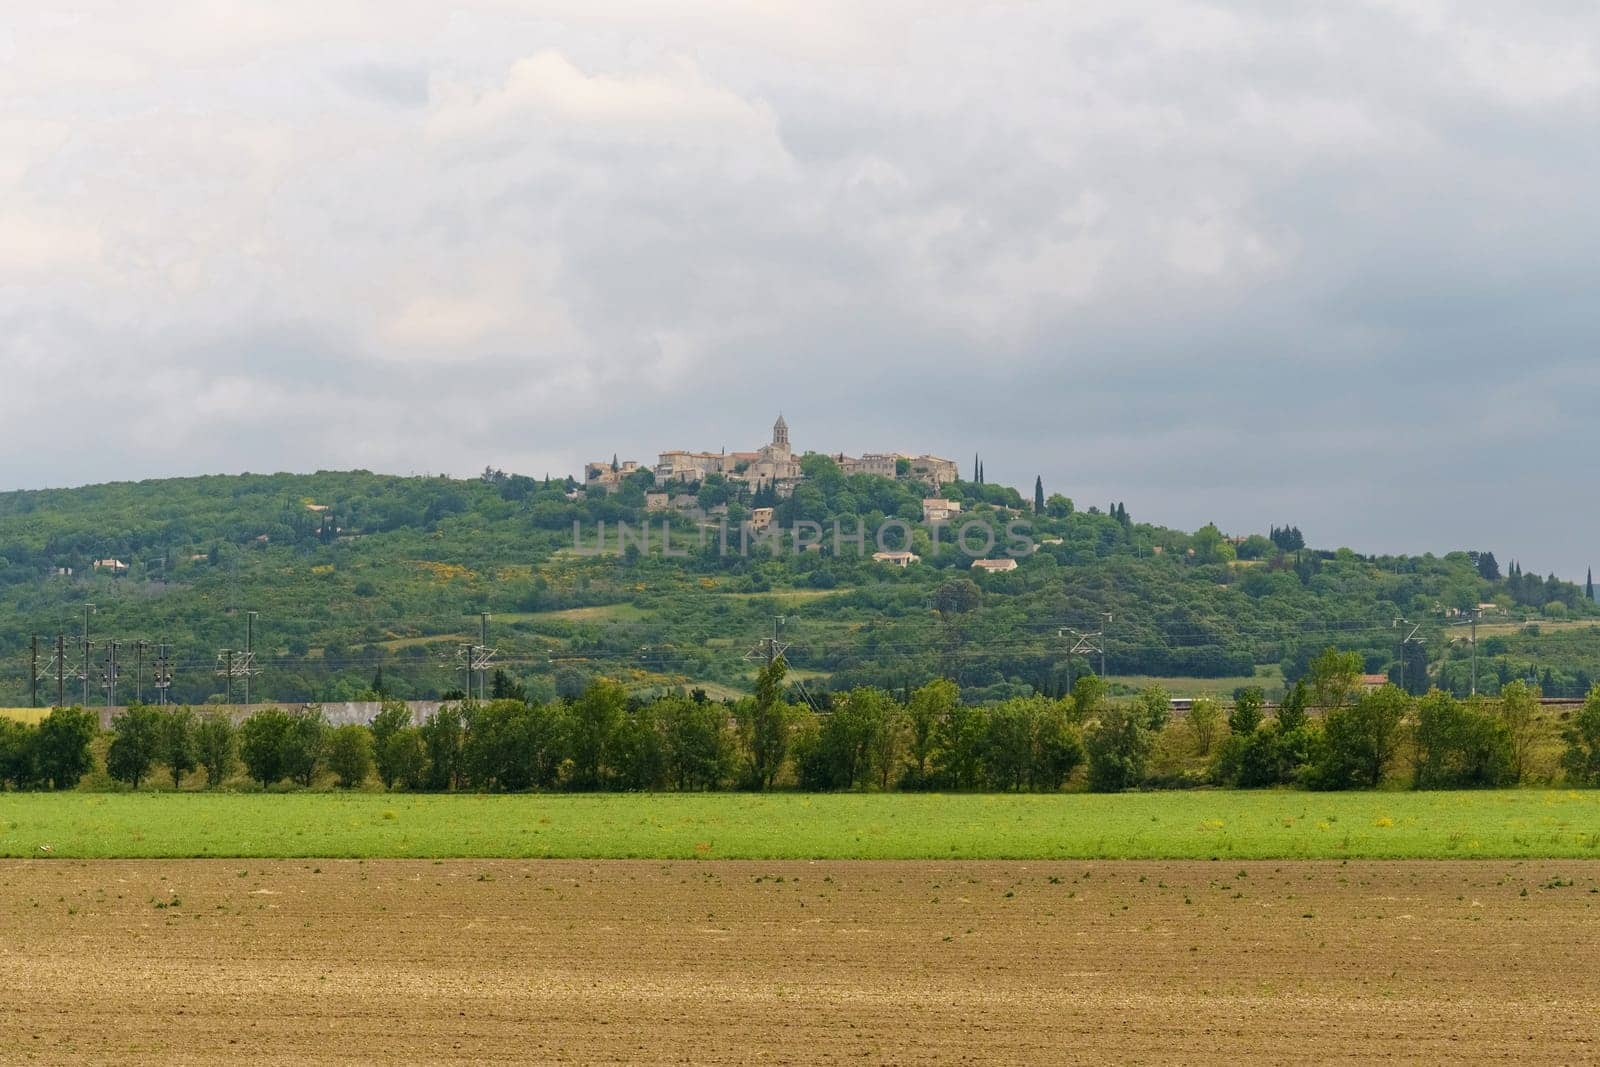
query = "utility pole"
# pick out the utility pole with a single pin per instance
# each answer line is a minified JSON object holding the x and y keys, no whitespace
{"x":138,"y":671}
{"x":480,"y":657}
{"x":33,"y":675}
{"x":225,"y":657}
{"x":1087,"y":644}
{"x":249,"y":650}
{"x":87,"y":610}
{"x":1474,"y":652}
{"x":468,"y":655}
{"x":770,"y":648}
{"x":61,"y":670}
{"x":1404,"y":641}
{"x":108,"y":674}
{"x":483,"y":642}
{"x":161,"y":676}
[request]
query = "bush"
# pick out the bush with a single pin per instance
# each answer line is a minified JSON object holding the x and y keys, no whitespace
{"x":1359,"y":740}
{"x":134,"y":746}
{"x":1156,"y":703}
{"x":61,"y":755}
{"x":442,"y":737}
{"x":349,"y":753}
{"x":1204,"y":719}
{"x":697,"y":748}
{"x":402,"y":759}
{"x":16,"y":755}
{"x":510,"y":746}
{"x":1057,"y":747}
{"x":1118,"y":745}
{"x":1581,"y":760}
{"x":637,"y":755}
{"x":393,"y":718}
{"x":1459,"y":746}
{"x":178,"y":743}
{"x":1246,"y":714}
{"x":959,"y":746}
{"x":593,"y":721}
{"x":304,"y":745}
{"x":215,"y":746}
{"x":276,"y":745}
{"x":262,"y":740}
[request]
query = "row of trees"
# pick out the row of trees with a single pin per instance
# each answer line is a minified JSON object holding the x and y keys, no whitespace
{"x":868,"y":740}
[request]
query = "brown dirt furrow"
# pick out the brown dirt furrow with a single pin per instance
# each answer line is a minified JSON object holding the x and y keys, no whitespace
{"x":801,"y":963}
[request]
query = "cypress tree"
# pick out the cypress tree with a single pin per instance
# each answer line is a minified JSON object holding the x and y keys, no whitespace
{"x":1038,"y":494}
{"x":1588,"y":584}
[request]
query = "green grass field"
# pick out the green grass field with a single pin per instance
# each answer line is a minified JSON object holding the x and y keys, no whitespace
{"x":1197,"y":825}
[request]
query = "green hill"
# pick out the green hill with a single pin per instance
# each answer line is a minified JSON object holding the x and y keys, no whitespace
{"x":354,"y":574}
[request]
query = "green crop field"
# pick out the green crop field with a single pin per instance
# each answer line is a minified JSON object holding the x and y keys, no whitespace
{"x":1227,"y":825}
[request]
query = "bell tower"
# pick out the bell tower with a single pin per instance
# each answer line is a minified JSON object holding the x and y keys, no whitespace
{"x":780,"y":433}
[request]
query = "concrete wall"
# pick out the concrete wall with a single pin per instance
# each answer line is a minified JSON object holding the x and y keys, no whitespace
{"x":353,"y":711}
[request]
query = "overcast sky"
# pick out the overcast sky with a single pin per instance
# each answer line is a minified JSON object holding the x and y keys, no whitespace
{"x":1218,"y":261}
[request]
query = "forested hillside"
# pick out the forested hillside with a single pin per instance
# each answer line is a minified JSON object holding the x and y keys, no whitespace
{"x":367,"y":582}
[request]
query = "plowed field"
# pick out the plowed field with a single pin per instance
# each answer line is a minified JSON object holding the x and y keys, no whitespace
{"x":795,"y":962}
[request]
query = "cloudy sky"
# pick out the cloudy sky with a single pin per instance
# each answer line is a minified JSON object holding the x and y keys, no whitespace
{"x":1216,"y":260}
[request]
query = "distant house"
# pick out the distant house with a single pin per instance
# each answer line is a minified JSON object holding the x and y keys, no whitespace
{"x":657,"y":502}
{"x":881,"y":464}
{"x":1057,"y":541}
{"x":899,"y":559}
{"x":1374,"y":681}
{"x":934,"y":470}
{"x":937,"y":509}
{"x":605,"y":477}
{"x":994,"y":566}
{"x":115,"y":566}
{"x":760,"y":518}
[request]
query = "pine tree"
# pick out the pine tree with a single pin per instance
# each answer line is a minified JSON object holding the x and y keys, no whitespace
{"x":1038,"y":494}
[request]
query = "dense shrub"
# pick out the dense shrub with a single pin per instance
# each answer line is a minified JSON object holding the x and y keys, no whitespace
{"x":216,"y":746}
{"x":1118,"y":745}
{"x":61,"y":754}
{"x":135,"y":742}
{"x":1581,"y":760}
{"x":17,"y":755}
{"x":349,"y":754}
{"x":1359,"y":740}
{"x":179,"y":744}
{"x":275,"y":745}
{"x":697,"y":749}
{"x":1459,"y":745}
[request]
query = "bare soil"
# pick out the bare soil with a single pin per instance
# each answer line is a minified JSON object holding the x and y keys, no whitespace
{"x":802,"y":963}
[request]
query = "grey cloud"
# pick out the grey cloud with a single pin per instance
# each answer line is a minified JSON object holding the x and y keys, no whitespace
{"x":1229,"y":262}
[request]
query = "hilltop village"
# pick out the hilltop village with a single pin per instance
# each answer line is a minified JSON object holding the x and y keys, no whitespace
{"x":773,"y":469}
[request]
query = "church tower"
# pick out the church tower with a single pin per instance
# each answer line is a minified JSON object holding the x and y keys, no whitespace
{"x":780,"y":434}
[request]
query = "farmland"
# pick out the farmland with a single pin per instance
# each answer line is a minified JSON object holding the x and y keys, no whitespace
{"x":793,"y":962}
{"x":1199,"y":824}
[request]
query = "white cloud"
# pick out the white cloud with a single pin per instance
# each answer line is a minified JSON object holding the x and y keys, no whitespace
{"x":546,"y":88}
{"x":925,"y":224}
{"x":35,"y":243}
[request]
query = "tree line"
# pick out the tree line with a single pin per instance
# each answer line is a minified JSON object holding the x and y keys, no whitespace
{"x":869,"y":739}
